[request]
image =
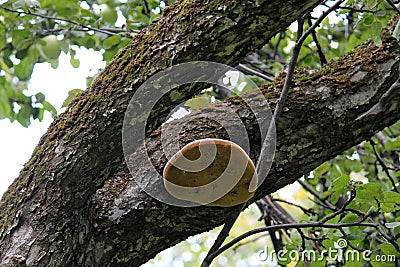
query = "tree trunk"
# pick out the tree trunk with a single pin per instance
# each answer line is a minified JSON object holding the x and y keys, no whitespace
{"x":75,"y":204}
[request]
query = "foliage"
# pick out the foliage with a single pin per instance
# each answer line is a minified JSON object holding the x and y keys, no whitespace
{"x":37,"y":31}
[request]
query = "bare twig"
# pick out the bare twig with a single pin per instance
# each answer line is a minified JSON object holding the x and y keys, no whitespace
{"x":381,"y":138}
{"x":391,"y":3}
{"x":304,"y":210}
{"x":315,"y":194}
{"x":348,"y":242}
{"x":341,"y":210}
{"x":359,"y":10}
{"x":222,"y":235}
{"x":276,"y":52}
{"x":396,"y":166}
{"x":81,"y":25}
{"x":294,"y":226}
{"x":384,"y":167}
{"x":248,"y":70}
{"x":146,"y":10}
{"x":277,"y":243}
{"x":321,"y":54}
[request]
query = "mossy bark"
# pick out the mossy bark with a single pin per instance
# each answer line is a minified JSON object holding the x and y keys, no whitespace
{"x":57,"y":212}
{"x":319,"y":122}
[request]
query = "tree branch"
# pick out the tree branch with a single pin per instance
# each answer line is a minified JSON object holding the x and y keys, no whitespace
{"x":77,"y":23}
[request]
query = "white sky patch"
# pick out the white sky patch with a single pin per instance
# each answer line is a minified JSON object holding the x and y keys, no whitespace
{"x":333,"y":18}
{"x":17,"y":142}
{"x":121,"y":21}
{"x":177,"y":114}
{"x":287,"y":191}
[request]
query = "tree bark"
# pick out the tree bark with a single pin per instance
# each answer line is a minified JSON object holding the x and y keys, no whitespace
{"x":74,"y":203}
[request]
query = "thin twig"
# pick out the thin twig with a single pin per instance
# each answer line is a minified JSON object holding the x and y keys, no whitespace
{"x":248,"y":70}
{"x":315,"y":194}
{"x":277,"y":243}
{"x":290,"y":71}
{"x":357,"y":9}
{"x":345,"y":236}
{"x":384,"y":167}
{"x":83,"y":26}
{"x":304,"y":210}
{"x":292,"y":226}
{"x":276,"y":52}
{"x":396,"y":167}
{"x":381,"y":138}
{"x":393,"y":6}
{"x":321,"y":54}
{"x":146,"y":10}
{"x":341,"y":210}
{"x":222,"y":236}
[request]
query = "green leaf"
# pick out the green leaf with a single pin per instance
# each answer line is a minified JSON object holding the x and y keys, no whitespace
{"x":352,"y":263}
{"x":391,"y":196}
{"x":111,"y":41}
{"x":335,"y":196}
{"x":24,"y":115}
{"x":392,"y":144}
{"x":380,"y":13}
{"x":5,"y":107}
{"x":369,"y":191}
{"x":108,"y":14}
{"x":52,"y":47}
{"x":391,"y":201}
{"x":375,"y":31}
{"x":74,"y":62}
{"x":284,"y":258}
{"x":110,"y":53}
{"x":21,"y":38}
{"x":326,"y":194}
{"x":370,"y":4}
{"x":40,"y":97}
{"x":349,"y":218}
{"x":18,"y":4}
{"x":319,"y":263}
{"x":54,"y":63}
{"x":24,"y":69}
{"x":389,"y":249}
{"x":340,"y":183}
{"x":368,"y":19}
{"x":49,"y":107}
{"x":71,"y":94}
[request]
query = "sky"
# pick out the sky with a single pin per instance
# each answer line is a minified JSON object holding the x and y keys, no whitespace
{"x":17,"y":142}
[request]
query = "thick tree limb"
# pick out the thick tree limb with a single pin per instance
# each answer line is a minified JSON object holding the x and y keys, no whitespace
{"x":319,"y":123}
{"x":45,"y":215}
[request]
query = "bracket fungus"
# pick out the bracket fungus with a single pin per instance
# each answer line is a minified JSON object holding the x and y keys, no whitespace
{"x":213,"y":172}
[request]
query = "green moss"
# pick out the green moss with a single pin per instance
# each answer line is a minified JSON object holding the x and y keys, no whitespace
{"x":175,"y":95}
